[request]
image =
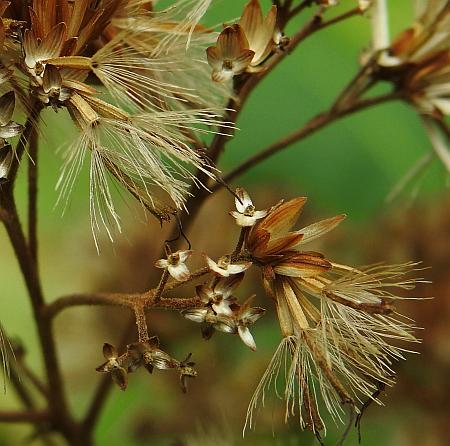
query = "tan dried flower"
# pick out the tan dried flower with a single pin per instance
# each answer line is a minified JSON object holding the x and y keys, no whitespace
{"x":244,"y":46}
{"x":222,"y":312}
{"x":231,"y":55}
{"x":246,"y":214}
{"x":115,"y":365}
{"x":175,"y":265}
{"x":258,"y":30}
{"x":224,"y":267}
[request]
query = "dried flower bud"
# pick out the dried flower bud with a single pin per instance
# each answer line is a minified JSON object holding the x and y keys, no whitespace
{"x":244,"y":46}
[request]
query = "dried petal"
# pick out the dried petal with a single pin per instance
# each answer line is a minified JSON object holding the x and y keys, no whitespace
{"x":247,"y":338}
{"x":109,"y":351}
{"x":120,"y":377}
{"x":179,"y":272}
{"x":7,"y":104}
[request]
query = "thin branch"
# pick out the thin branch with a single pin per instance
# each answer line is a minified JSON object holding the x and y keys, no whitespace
{"x":315,"y":124}
{"x":161,"y":286}
{"x":299,"y":8}
{"x":25,"y":416}
{"x":33,"y":195}
{"x":243,"y":88}
{"x":28,"y":129}
{"x":141,"y":323}
{"x":21,"y":390}
{"x":33,"y":379}
{"x":127,"y":300}
{"x":340,"y":18}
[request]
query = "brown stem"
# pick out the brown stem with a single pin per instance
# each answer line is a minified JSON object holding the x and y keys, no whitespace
{"x":28,"y":129}
{"x":239,"y":244}
{"x":57,"y":401}
{"x":340,"y":18}
{"x":161,"y":286}
{"x":244,"y":87}
{"x":25,"y":371}
{"x":312,"y":126}
{"x":25,"y":416}
{"x":21,"y":390}
{"x":141,"y":322}
{"x":32,"y":195}
{"x":128,"y":300}
{"x":299,"y":8}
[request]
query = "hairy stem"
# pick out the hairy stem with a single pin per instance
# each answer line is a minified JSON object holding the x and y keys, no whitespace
{"x":127,"y":300}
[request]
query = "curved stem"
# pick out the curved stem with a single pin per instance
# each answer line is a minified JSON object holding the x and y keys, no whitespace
{"x":317,"y":123}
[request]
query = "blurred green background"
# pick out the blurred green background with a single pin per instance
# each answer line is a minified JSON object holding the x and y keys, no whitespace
{"x":349,"y":167}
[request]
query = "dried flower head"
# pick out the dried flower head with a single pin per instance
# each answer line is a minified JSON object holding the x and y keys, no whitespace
{"x":54,"y":54}
{"x":258,"y":30}
{"x":419,"y":56}
{"x":231,"y":55}
{"x":115,"y":365}
{"x":337,"y":322}
{"x":244,"y":46}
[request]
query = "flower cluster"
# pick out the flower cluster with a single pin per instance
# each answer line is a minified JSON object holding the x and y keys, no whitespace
{"x":337,"y":322}
{"x":222,"y":312}
{"x":145,"y":353}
